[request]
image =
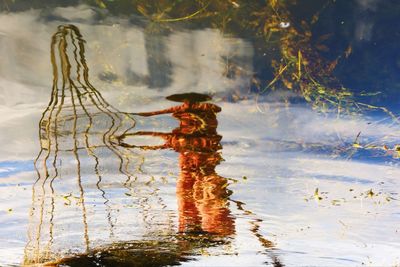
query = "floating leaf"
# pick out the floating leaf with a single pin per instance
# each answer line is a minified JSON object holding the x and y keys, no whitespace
{"x":370,"y":193}
{"x":316,"y":195}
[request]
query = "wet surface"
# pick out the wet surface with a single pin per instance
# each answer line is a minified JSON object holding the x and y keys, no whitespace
{"x":134,"y":141}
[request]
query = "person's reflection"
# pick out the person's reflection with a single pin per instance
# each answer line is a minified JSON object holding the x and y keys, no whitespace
{"x":202,"y":194}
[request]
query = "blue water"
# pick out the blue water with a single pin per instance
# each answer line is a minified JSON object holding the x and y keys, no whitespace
{"x":306,"y":187}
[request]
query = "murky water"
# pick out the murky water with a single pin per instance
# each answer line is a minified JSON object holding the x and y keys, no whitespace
{"x":126,"y":142}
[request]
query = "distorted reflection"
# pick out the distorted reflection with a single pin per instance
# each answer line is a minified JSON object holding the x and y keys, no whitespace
{"x":79,"y":203}
{"x":75,"y":131}
{"x":310,"y":153}
{"x":202,"y":194}
{"x":90,"y":182}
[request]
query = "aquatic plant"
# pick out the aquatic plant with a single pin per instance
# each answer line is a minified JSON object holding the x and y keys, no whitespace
{"x":293,"y":57}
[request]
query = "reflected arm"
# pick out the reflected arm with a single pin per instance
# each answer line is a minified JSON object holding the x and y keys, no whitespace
{"x":164,"y":111}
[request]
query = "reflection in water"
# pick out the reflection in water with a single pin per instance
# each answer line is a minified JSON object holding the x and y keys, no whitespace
{"x":158,"y":65}
{"x":77,"y":123}
{"x":83,"y":163}
{"x":202,"y":194}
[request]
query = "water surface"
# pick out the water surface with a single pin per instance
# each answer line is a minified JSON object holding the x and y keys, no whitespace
{"x":254,"y":177}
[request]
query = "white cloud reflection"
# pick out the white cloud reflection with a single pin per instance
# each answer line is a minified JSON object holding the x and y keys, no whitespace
{"x":265,"y":147}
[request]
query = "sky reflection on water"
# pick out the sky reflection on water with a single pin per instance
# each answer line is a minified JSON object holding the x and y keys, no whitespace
{"x":275,"y":156}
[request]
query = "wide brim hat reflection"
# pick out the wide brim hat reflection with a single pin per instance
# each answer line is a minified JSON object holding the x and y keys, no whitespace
{"x":189,"y":97}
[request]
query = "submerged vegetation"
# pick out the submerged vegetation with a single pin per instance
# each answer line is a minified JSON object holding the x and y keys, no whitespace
{"x":289,"y":52}
{"x":102,"y":193}
{"x":292,"y":56}
{"x":295,"y":49}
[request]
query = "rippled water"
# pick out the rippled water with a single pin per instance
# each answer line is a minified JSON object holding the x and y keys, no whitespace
{"x":88,"y":177}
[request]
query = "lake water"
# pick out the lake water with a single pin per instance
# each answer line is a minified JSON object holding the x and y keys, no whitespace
{"x":89,"y":176}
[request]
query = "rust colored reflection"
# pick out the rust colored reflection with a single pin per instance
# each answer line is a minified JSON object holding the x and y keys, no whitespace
{"x":201,"y":193}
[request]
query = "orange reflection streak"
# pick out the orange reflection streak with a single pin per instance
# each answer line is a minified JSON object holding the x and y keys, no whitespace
{"x":202,"y":194}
